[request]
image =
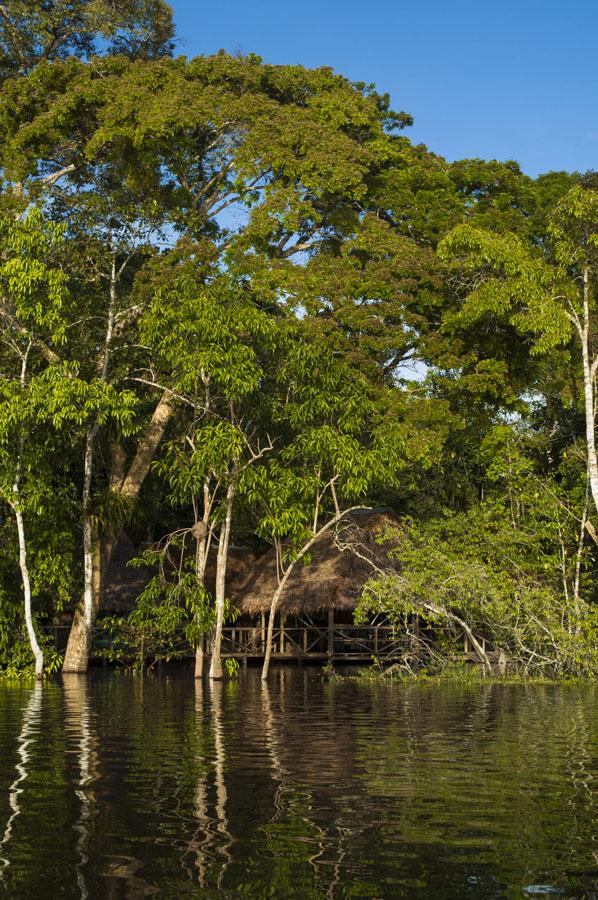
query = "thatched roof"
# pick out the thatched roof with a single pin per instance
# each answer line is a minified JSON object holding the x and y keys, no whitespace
{"x":124,"y":583}
{"x":341,"y":563}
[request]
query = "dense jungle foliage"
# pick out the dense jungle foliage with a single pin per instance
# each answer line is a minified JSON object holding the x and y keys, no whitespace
{"x":237,"y":301}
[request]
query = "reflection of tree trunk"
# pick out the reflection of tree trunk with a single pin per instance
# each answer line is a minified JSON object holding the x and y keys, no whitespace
{"x":31,"y":727}
{"x":79,"y":643}
{"x":273,"y":748}
{"x":78,"y":720}
{"x":201,"y":797}
{"x":219,"y":776}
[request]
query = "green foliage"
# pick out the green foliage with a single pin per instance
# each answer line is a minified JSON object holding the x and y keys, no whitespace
{"x":232,"y":667}
{"x":34,"y":32}
{"x":513,"y":568}
{"x":281,"y":345}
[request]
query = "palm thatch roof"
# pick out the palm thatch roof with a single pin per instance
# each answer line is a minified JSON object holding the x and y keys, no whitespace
{"x":341,"y":563}
{"x":124,"y":583}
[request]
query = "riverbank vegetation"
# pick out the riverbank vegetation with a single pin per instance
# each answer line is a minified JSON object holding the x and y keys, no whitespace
{"x":236,"y":303}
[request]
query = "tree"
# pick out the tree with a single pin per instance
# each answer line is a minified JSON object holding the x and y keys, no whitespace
{"x":343,"y":438}
{"x":214,"y":344}
{"x":548,"y":294}
{"x":33,"y":296}
{"x":513,"y":570}
{"x":38,"y":31}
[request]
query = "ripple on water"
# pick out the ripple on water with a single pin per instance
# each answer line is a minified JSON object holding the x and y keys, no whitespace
{"x":157,"y":786}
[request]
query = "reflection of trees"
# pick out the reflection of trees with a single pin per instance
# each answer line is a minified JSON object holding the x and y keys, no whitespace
{"x":474,"y":759}
{"x":212,"y":841}
{"x":220,"y":779}
{"x":308,"y":855}
{"x":302,"y":789}
{"x":30,"y":730}
{"x":78,"y":723}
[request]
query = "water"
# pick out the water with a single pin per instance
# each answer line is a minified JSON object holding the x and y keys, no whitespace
{"x":127,"y":787}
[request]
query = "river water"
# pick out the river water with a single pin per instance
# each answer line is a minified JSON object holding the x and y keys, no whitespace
{"x":124,"y":786}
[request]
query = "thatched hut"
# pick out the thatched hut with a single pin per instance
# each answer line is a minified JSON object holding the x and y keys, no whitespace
{"x":340,"y":564}
{"x":124,"y":583}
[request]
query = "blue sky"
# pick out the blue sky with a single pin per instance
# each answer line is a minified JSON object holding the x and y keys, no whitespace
{"x":496,"y":79}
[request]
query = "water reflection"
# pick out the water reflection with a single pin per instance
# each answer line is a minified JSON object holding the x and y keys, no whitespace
{"x":78,"y":723}
{"x":118,"y":786}
{"x":28,"y":734}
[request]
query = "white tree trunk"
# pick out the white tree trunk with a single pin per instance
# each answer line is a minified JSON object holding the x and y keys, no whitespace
{"x":221,"y":560}
{"x":590,"y":424}
{"x":287,"y":573}
{"x":23,"y":560}
{"x":24,"y":566}
{"x":88,"y":534}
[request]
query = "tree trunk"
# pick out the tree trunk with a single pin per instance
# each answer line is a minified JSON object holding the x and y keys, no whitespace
{"x":23,"y":560}
{"x":588,"y":385}
{"x":271,"y":617}
{"x":23,"y":563}
{"x":199,"y":659}
{"x":221,"y":560}
{"x":79,"y":643}
{"x":76,"y":658}
{"x":288,"y":571}
{"x":203,"y":538}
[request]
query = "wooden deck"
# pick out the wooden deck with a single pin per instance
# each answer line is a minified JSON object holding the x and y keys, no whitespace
{"x":335,"y":642}
{"x":349,"y":642}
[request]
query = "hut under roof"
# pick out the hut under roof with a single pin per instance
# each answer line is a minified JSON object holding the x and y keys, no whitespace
{"x":341,"y":563}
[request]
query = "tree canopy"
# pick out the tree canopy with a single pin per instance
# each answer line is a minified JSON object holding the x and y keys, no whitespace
{"x":236,"y":301}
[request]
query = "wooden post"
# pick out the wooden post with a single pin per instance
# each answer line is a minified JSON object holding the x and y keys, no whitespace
{"x":281,"y":647}
{"x":263,"y":618}
{"x":305,"y":639}
{"x":375,"y":640}
{"x":331,"y":631}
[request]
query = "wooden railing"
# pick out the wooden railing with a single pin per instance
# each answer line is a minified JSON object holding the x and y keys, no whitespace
{"x":305,"y":641}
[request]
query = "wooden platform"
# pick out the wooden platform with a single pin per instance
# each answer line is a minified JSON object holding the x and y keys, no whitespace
{"x":349,"y":642}
{"x":335,"y":642}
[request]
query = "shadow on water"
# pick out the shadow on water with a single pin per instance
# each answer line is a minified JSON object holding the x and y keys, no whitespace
{"x":123,"y":787}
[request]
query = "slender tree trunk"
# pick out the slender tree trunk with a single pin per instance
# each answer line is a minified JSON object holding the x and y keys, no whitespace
{"x":588,"y":384}
{"x":23,"y":557}
{"x":286,"y":575}
{"x":202,"y":548}
{"x":23,"y":563}
{"x":221,"y":560}
{"x":80,"y":637}
{"x":578,"y":558}
{"x":199,"y":654}
{"x":76,"y":658}
{"x":271,"y":617}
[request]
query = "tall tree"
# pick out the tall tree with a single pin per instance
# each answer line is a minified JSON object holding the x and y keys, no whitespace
{"x":38,"y":31}
{"x":291,"y":150}
{"x":547,"y":293}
